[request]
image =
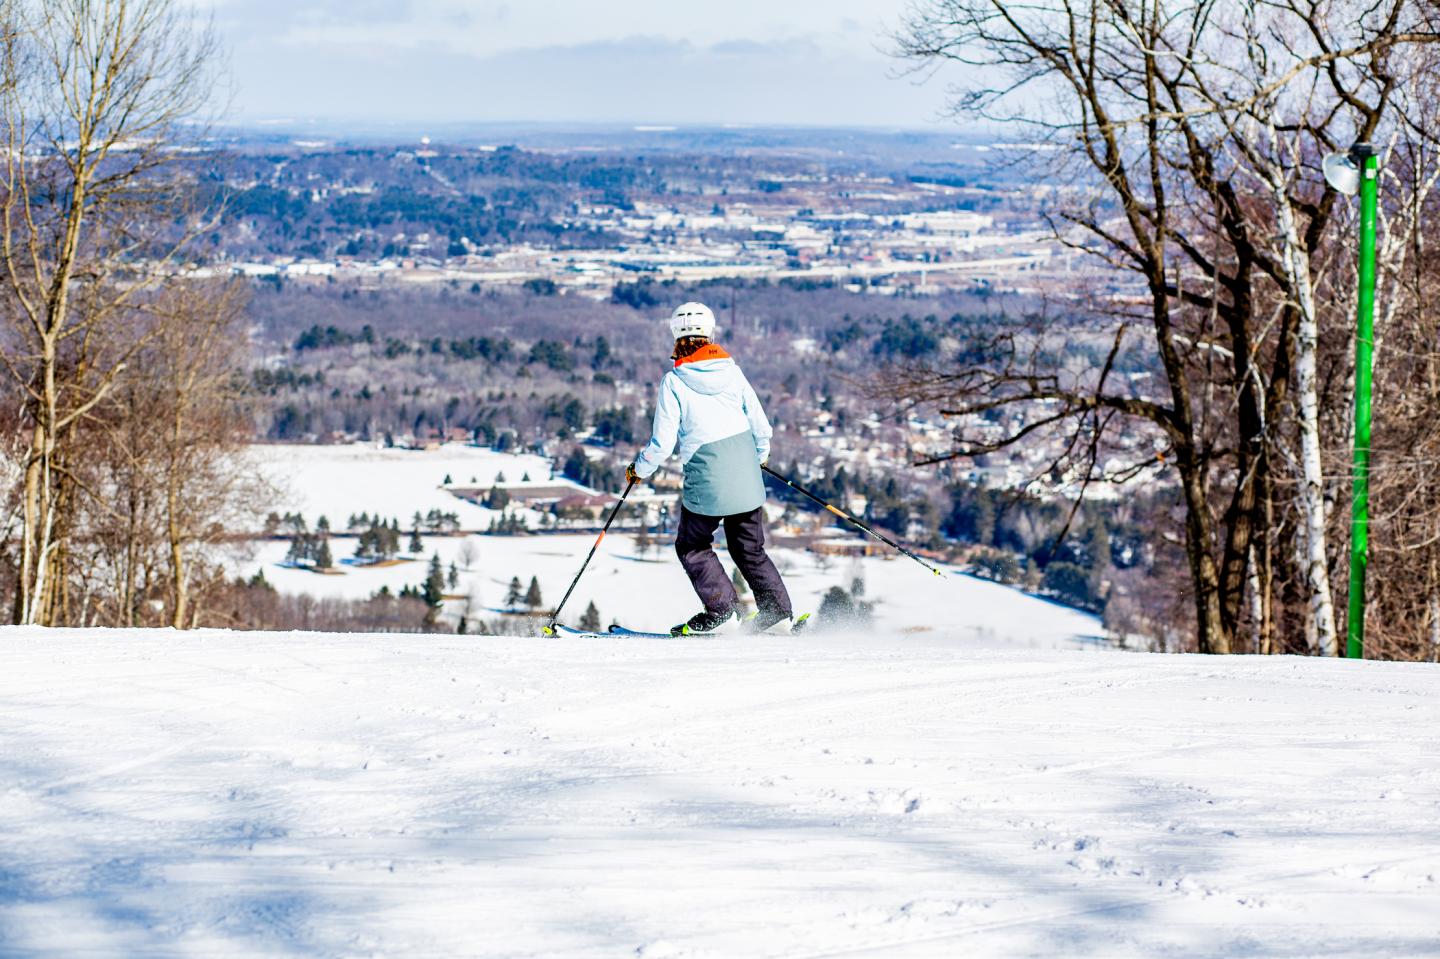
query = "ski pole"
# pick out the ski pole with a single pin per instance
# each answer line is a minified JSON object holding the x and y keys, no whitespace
{"x":555,"y":616}
{"x":848,"y":518}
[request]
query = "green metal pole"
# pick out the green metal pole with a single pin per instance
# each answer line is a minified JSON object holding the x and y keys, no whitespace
{"x":1365,"y":158}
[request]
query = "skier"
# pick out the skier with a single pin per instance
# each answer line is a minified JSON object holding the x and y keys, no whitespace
{"x":709,"y":409}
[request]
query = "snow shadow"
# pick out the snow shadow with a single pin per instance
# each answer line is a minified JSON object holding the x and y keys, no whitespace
{"x":902,"y":878}
{"x":1190,"y":875}
{"x":91,"y":865}
{"x":912,"y":878}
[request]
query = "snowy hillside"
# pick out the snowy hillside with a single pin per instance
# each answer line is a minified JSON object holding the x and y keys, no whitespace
{"x":338,"y":481}
{"x":646,"y":590}
{"x":653,"y":592}
{"x":312,"y":795}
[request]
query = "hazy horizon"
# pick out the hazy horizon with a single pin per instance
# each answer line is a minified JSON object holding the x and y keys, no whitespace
{"x":817,"y":63}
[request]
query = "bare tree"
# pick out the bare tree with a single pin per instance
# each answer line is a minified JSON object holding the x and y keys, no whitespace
{"x":1191,"y":132}
{"x":92,"y":97}
{"x":169,"y":481}
{"x":211,"y":489}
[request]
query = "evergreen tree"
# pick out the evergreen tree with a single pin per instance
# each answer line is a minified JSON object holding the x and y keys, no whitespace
{"x":1068,"y":583}
{"x":453,"y":579}
{"x":323,"y":559}
{"x":837,"y":608}
{"x":433,"y":591}
{"x":515,"y":594}
{"x":590,"y":622}
{"x":417,"y":545}
{"x":322,"y":525}
{"x":985,"y":518}
{"x":532,"y":595}
{"x":298,"y":550}
{"x":1097,"y":556}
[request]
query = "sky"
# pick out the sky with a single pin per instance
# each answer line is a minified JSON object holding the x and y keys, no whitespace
{"x":786,"y":62}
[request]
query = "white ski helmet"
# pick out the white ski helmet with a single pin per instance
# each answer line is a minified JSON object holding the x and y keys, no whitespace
{"x":692,"y":319}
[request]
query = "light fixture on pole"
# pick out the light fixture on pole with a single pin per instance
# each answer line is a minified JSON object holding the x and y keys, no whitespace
{"x":1358,"y":172}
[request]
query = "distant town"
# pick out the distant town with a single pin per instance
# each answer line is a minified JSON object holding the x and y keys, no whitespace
{"x":961,"y":225}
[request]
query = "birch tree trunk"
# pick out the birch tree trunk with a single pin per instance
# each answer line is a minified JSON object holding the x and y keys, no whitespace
{"x":1311,"y":492}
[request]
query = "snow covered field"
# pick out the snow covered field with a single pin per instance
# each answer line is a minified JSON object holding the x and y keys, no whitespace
{"x":653,"y":592}
{"x":341,"y":480}
{"x":366,"y":795}
{"x":647,"y":591}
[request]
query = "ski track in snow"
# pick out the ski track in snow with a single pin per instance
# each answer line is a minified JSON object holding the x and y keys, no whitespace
{"x":224,"y":794}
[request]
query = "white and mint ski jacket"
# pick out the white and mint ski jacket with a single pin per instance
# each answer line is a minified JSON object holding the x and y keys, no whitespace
{"x":708,"y":408}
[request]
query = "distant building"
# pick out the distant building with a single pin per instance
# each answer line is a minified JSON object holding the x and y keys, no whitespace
{"x":533,"y":495}
{"x":582,"y":505}
{"x":846,"y":546}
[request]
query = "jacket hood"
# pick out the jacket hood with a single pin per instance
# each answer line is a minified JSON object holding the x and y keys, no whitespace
{"x":721,"y":375}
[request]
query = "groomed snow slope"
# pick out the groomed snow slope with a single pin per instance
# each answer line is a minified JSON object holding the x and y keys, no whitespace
{"x":310,"y":795}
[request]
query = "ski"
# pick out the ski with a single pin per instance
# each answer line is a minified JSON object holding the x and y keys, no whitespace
{"x":797,"y":626}
{"x":559,"y":629}
{"x":617,"y":630}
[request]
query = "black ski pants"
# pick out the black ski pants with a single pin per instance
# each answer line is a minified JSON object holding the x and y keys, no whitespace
{"x":745,"y":538}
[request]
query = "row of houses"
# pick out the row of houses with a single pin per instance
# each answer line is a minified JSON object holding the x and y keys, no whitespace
{"x":569,"y":500}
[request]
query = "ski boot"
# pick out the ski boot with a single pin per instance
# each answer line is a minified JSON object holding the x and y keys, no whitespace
{"x":775,"y":621}
{"x":705,"y":621}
